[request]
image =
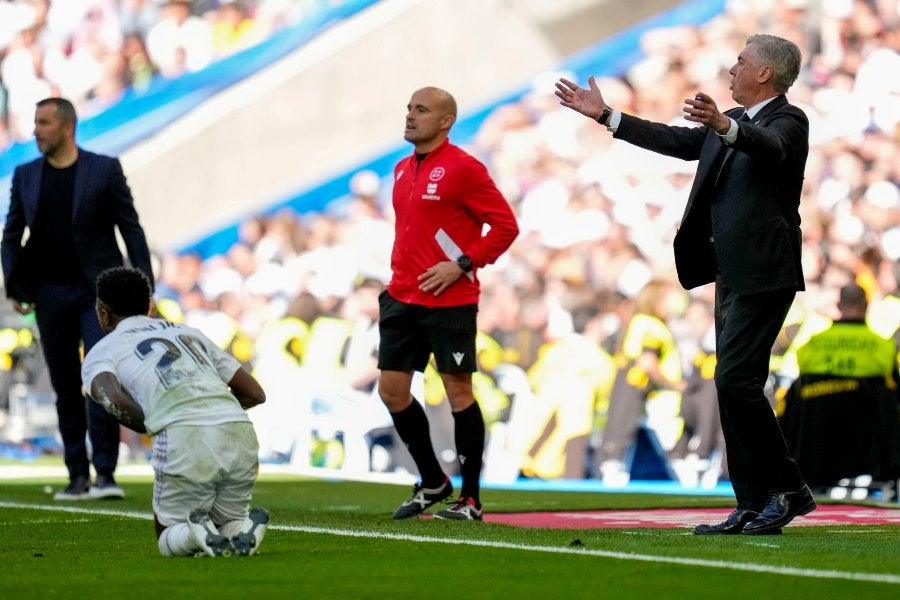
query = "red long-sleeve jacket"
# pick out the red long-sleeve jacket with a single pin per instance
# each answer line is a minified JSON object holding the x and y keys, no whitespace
{"x":442,"y":204}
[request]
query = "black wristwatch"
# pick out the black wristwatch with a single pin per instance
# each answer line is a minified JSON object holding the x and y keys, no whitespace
{"x":465,"y":263}
{"x":602,"y":119}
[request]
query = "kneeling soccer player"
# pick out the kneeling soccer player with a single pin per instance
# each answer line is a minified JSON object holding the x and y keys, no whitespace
{"x":171,"y":382}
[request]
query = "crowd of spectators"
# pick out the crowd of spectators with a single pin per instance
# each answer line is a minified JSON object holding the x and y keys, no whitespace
{"x":597,"y":219}
{"x":91,"y":51}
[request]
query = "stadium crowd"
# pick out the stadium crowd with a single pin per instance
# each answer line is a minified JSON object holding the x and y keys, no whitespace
{"x":296,"y":298}
{"x":91,"y":51}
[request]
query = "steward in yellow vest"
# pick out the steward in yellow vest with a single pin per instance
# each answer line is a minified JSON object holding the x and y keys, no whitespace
{"x":841,"y":415}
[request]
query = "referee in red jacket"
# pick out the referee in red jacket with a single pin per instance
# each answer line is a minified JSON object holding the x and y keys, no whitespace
{"x":443,"y":198}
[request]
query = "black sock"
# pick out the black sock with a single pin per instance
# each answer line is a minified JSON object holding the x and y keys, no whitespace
{"x":469,"y":435}
{"x":412,"y":427}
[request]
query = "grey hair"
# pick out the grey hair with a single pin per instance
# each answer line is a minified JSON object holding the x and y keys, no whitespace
{"x":782,"y":55}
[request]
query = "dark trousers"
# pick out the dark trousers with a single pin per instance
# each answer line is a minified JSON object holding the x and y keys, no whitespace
{"x":623,"y":419}
{"x":65,"y":318}
{"x":758,"y":458}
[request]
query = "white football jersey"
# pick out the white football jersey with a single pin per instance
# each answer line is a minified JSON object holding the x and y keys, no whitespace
{"x":173,"y":371}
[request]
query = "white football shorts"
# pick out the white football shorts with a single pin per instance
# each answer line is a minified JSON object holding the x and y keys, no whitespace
{"x":213,"y":467}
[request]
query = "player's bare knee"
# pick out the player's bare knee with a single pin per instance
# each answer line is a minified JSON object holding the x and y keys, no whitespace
{"x":394,"y":399}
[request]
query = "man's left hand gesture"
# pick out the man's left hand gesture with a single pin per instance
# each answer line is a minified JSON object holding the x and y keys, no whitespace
{"x":702,"y":109}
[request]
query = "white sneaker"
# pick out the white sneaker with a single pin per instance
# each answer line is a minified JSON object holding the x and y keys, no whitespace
{"x":246,"y":543}
{"x":205,"y":534}
{"x":614,"y":473}
{"x":106,"y":487}
{"x":422,"y":499}
{"x":78,"y":489}
{"x":465,"y":509}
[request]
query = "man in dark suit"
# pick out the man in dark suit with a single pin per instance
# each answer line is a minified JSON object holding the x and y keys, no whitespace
{"x":71,"y":201}
{"x":740,"y":229}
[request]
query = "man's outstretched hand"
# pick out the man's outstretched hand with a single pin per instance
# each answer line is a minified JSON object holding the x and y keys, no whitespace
{"x":588,"y":102}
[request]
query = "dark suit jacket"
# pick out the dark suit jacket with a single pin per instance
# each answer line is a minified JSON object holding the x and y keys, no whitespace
{"x":752,"y":213}
{"x":102,"y":202}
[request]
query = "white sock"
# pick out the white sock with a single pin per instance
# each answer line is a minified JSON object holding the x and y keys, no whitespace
{"x":176,"y":541}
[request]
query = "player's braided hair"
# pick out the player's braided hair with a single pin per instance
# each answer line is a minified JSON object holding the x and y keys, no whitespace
{"x":125,"y":291}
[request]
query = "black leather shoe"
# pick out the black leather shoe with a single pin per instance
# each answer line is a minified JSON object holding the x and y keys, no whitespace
{"x":732,"y":525}
{"x":781,"y":508}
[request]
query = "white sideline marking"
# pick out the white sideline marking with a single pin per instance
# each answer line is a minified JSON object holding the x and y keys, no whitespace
{"x":693,"y":562}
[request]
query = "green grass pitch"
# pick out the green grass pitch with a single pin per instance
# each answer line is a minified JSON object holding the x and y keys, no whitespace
{"x":332,"y":539}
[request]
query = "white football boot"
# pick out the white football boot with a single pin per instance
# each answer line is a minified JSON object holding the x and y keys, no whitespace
{"x":206,"y":535}
{"x":247,"y":542}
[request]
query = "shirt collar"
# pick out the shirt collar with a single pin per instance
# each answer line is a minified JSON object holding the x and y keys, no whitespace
{"x":753,"y":110}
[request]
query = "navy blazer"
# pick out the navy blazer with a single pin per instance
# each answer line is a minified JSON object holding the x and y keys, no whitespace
{"x":102,"y":203}
{"x":749,"y":208}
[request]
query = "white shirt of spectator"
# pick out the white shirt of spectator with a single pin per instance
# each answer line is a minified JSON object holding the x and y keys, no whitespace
{"x":178,"y":47}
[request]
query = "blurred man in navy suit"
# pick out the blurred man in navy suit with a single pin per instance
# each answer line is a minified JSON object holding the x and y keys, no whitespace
{"x":71,"y":201}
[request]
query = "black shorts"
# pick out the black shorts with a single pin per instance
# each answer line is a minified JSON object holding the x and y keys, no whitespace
{"x":410,"y":333}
